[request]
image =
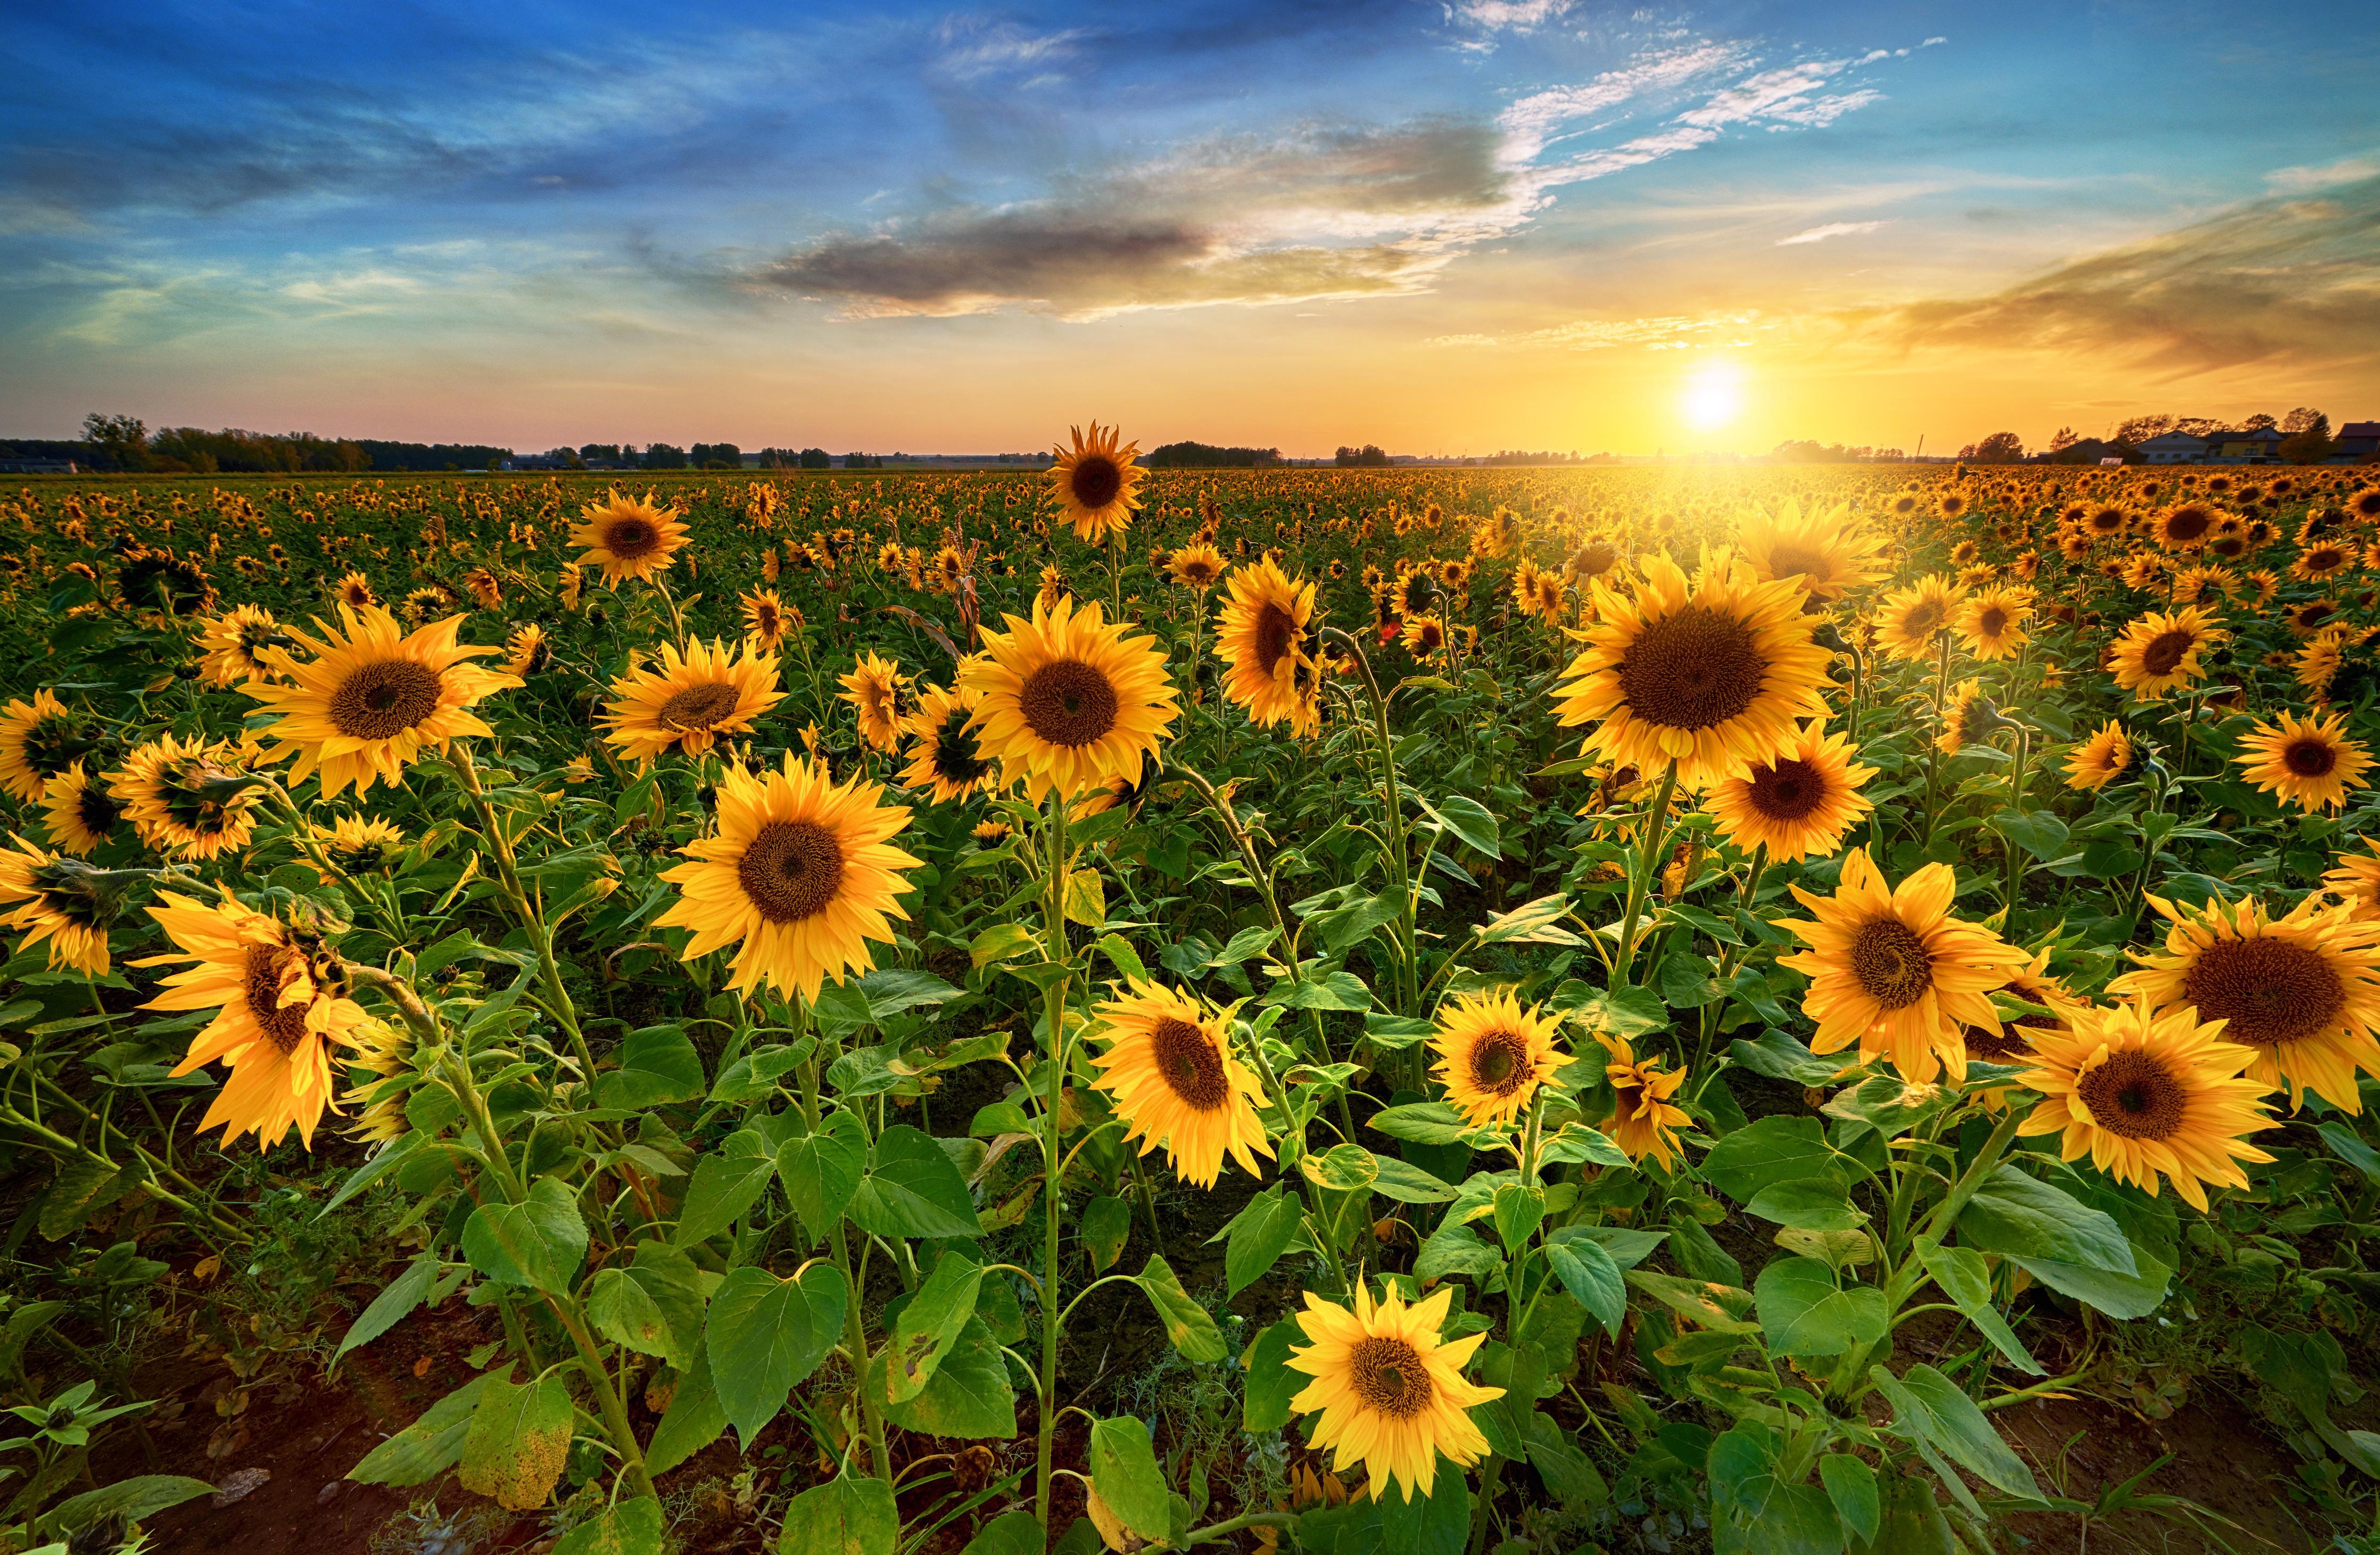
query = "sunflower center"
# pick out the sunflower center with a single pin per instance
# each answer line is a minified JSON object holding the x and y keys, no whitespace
{"x":383,"y":700}
{"x":1787,"y":561}
{"x":1276,"y":629}
{"x":700,"y":707}
{"x":2271,"y":990}
{"x":1389,"y":1375}
{"x":1068,"y":702}
{"x":1923,"y":620}
{"x":1789,"y":791}
{"x":790,"y":870}
{"x":2188,"y":524}
{"x":2134,"y":1095}
{"x":1096,"y":480}
{"x":260,"y":981}
{"x":1500,"y":1062}
{"x":1192,"y":1067}
{"x":97,"y":811}
{"x":956,"y":757}
{"x":1693,"y":669}
{"x":2165,"y":650}
{"x":2310,"y":759}
{"x":1996,"y":1047}
{"x":1891,"y":963}
{"x":1992,"y":622}
{"x":631,"y":539}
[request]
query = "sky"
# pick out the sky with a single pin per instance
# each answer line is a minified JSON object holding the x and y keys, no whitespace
{"x":1440,"y":225}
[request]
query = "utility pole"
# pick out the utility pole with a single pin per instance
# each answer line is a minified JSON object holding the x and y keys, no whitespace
{"x":1920,"y":449}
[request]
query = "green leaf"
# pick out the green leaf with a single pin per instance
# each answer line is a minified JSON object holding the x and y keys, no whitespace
{"x":1569,"y":1473}
{"x":1332,"y":990}
{"x":1408,"y":1184}
{"x":1119,"y":951}
{"x":913,"y":1189}
{"x":1424,"y":1123}
{"x":1002,"y":943}
{"x":1804,"y":1314}
{"x":517,"y":1442}
{"x":844,"y":1516}
{"x":1124,"y":1470}
{"x":630,"y":1528}
{"x":142,"y":1496}
{"x":1010,"y":1533}
{"x":387,"y":1160}
{"x":1342,"y":1168}
{"x":1851,"y":1485}
{"x":1964,"y":1279}
{"x":1271,"y":1384}
{"x":2347,"y":1146}
{"x":1931,"y":1404}
{"x":1623,"y":1012}
{"x":404,"y":1294}
{"x":1257,"y":1236}
{"x":1519,"y":1210}
{"x":79,"y":1187}
{"x":2022,"y":1217}
{"x":539,"y":1242}
{"x":653,"y":1307}
{"x":1718,"y":1307}
{"x":879,"y":995}
{"x":758,"y":1336}
{"x":1537,"y":922}
{"x":2039,"y":833}
{"x":1106,"y":1226}
{"x":1188,"y":1326}
{"x":1777,"y":1148}
{"x":657,"y":1066}
{"x":1812,"y":1204}
{"x":1342,"y":926}
{"x":821,"y":1169}
{"x":968,"y":1395}
{"x":692,"y":1422}
{"x":929,"y":1323}
{"x":727,"y":1182}
{"x":429,"y":1447}
{"x":1467,"y":818}
{"x":1588,"y":1272}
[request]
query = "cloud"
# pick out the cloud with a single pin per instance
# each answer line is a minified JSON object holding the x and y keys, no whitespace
{"x":1673,"y":331}
{"x":971,"y":47}
{"x":1518,"y":15}
{"x":2275,"y":280}
{"x":1832,"y":229}
{"x":2304,"y":180}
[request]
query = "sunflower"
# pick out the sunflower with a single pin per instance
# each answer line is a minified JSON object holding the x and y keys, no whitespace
{"x":1068,"y":700}
{"x":800,"y":872}
{"x":39,"y":740}
{"x":990,"y":832}
{"x":355,"y":592}
{"x":1991,"y":624}
{"x":526,"y":652}
{"x":361,"y":843}
{"x":1642,"y":1121}
{"x":1968,"y":718}
{"x":1893,"y":972}
{"x":2308,"y":617}
{"x":186,"y":798}
{"x":877,"y":692}
{"x":1390,"y":1392}
{"x":2100,"y":760}
{"x":2303,"y":990}
{"x":372,"y":699}
{"x":2355,"y":881}
{"x":628,"y":537}
{"x":386,"y":1053}
{"x":2159,"y":651}
{"x":1910,"y":619}
{"x":1095,"y":483}
{"x":80,"y":815}
{"x":278,"y":1012}
{"x":2310,"y":763}
{"x":2144,"y":1094}
{"x":2184,"y":527}
{"x":1709,"y":672}
{"x":694,"y":697}
{"x":1798,"y":802}
{"x":2107,"y":521}
{"x":2321,"y":560}
{"x":231,"y":645}
{"x":2013,"y":1044}
{"x":1261,"y":637}
{"x":1422,"y":635}
{"x":1169,"y":1069}
{"x":61,"y":900}
{"x":1492,"y":1056}
{"x":767,"y":619}
{"x":419,"y":605}
{"x":946,"y":760}
{"x":1198,"y":566}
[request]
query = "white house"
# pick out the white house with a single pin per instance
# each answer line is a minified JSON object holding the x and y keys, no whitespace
{"x":2173,"y":448}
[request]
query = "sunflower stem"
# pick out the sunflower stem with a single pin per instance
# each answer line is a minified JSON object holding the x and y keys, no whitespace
{"x":1053,"y":911}
{"x":1934,"y":747}
{"x":1652,"y":840}
{"x":1393,"y":799}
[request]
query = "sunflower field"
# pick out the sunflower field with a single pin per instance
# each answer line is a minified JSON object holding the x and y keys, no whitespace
{"x":1429,"y":1011}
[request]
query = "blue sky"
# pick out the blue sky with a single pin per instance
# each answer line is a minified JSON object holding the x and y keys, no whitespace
{"x":1490,"y":223}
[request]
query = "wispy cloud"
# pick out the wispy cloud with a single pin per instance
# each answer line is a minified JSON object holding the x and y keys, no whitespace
{"x":1673,"y":331}
{"x":2303,"y":181}
{"x":1832,"y":229}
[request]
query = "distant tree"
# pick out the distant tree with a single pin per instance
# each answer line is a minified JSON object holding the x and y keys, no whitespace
{"x":2258,"y":422}
{"x":2303,"y":420}
{"x":716,"y":456}
{"x":2061,"y":438}
{"x":1206,"y":456}
{"x":601,"y":454}
{"x":118,"y":442}
{"x":2000,"y":448}
{"x":2197,"y":426}
{"x":1369,"y":456}
{"x":663,"y":456}
{"x":2309,"y":443}
{"x":817,"y":458}
{"x":861,"y":461}
{"x":2140,"y":429}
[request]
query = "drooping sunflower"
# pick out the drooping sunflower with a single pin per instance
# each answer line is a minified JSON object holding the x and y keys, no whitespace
{"x":1391,"y":1392}
{"x":1198,"y":565}
{"x":1911,"y":619}
{"x":690,"y":699}
{"x":1261,"y":637}
{"x":799,"y":875}
{"x":1642,"y":1121}
{"x":373,"y":698}
{"x":526,"y":652}
{"x":2144,"y":1094}
{"x":40,"y":739}
{"x":1095,"y":484}
{"x":1829,"y":552}
{"x":2158,"y":652}
{"x":79,"y":815}
{"x":628,"y":537}
{"x":875,"y":688}
{"x":1968,"y":718}
{"x":1422,"y":635}
{"x":385,"y":1053}
{"x":67,"y":902}
{"x":2355,"y":881}
{"x":2303,"y":990}
{"x":232,"y":645}
{"x":1169,"y":1069}
{"x":767,"y":619}
{"x":1710,"y":672}
{"x":2310,"y":762}
{"x":946,"y":762}
{"x":2101,"y":759}
{"x":186,"y":798}
{"x":361,"y":843}
{"x":1069,"y":701}
{"x":1894,"y":973}
{"x":355,"y":592}
{"x":279,"y":1013}
{"x":1799,"y":802}
{"x":1991,"y":624}
{"x":1493,"y":1054}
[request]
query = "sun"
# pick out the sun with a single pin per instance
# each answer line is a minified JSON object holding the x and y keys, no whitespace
{"x":1714,"y":395}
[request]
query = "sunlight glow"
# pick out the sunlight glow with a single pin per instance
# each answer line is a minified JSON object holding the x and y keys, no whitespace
{"x":1714,"y":395}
